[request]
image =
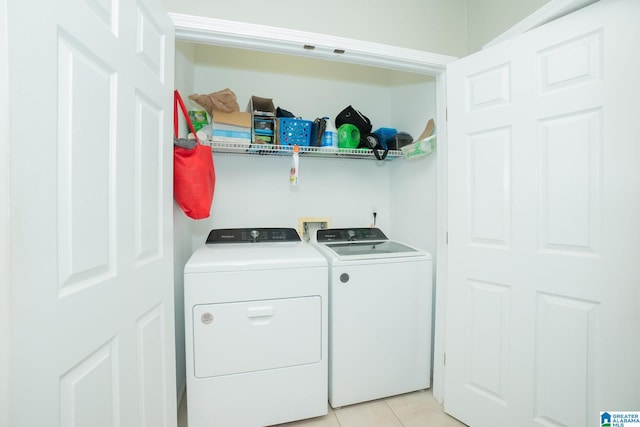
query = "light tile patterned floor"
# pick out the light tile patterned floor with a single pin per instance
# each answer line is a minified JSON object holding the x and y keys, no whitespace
{"x":418,"y":409}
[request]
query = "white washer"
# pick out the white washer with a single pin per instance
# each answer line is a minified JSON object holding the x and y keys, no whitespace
{"x":255,"y":329}
{"x":379,"y":315}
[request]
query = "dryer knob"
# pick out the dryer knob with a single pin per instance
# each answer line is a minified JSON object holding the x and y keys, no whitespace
{"x":206,"y":318}
{"x":344,"y":277}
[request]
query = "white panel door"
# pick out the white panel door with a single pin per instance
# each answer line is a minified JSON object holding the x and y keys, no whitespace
{"x":544,"y":216}
{"x":91,"y":213}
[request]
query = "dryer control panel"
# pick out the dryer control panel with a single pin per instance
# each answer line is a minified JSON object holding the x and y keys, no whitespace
{"x":252,"y":235}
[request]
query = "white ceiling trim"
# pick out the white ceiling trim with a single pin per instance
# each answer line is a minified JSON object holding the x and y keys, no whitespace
{"x":547,"y":13}
{"x":301,"y":43}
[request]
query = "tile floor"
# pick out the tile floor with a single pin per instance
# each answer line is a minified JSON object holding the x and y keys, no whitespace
{"x":418,"y":409}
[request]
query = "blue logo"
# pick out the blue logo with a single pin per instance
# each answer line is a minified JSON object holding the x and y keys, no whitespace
{"x":619,"y":419}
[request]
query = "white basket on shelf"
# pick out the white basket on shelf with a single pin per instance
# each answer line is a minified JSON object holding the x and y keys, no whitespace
{"x":419,"y":149}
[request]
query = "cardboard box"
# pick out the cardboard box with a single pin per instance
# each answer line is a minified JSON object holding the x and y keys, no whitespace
{"x":231,"y":127}
{"x":265,"y":105}
{"x":237,"y":118}
{"x":263,"y":120}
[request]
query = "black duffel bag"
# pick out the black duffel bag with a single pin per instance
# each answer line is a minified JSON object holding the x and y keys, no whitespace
{"x":354,"y":117}
{"x":362,"y":122}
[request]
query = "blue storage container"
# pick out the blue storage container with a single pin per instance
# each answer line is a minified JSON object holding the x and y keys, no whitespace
{"x":294,"y":131}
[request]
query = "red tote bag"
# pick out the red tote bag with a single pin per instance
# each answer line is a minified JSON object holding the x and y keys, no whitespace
{"x":194,"y":176}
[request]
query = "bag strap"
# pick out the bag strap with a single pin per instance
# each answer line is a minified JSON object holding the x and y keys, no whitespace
{"x":177,"y":101}
{"x":372,"y":142}
{"x":382,"y":156}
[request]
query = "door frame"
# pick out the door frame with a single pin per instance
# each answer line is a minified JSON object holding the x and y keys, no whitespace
{"x":204,"y":30}
{"x":243,"y":35}
{"x":5,"y":274}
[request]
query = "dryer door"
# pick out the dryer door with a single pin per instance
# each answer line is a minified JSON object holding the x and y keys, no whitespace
{"x":232,"y":338}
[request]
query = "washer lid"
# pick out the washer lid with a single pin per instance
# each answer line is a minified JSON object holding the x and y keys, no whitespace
{"x":385,"y":248}
{"x":384,"y":251}
{"x":351,"y":244}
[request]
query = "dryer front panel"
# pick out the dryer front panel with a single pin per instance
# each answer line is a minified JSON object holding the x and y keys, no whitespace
{"x":248,"y":336}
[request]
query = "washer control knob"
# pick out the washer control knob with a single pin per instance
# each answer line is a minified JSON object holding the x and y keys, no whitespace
{"x":344,"y":277}
{"x":351,"y":234}
{"x":254,"y":235}
{"x":206,"y":318}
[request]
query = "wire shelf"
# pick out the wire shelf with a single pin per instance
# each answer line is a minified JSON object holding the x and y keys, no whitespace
{"x":287,"y":150}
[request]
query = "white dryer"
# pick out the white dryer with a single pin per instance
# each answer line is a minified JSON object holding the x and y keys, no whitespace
{"x":380,"y":295}
{"x":255,"y":329}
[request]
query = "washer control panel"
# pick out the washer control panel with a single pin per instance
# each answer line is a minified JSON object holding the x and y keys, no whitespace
{"x":252,"y":235}
{"x":350,"y":234}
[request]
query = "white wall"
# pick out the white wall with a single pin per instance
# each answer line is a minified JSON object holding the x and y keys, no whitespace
{"x":5,"y":287}
{"x":307,"y":87}
{"x":449,"y":27}
{"x":487,"y":19}
{"x":254,"y":190}
{"x":436,"y":26}
{"x":415,"y":184}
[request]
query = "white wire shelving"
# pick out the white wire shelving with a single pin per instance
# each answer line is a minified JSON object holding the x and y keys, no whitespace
{"x":287,"y":150}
